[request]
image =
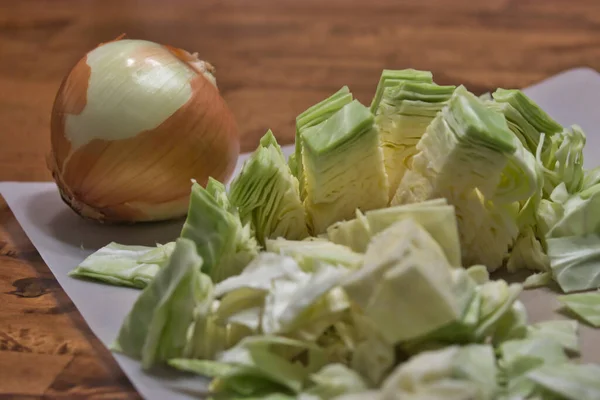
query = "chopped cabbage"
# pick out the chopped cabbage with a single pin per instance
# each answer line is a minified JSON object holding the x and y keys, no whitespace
{"x":537,"y":280}
{"x":332,"y":381}
{"x":403,"y":114}
{"x":565,"y":165}
{"x":155,"y":330}
{"x":123,"y":265}
{"x":267,"y":195}
{"x":309,"y":118}
{"x":390,"y":78}
{"x":564,"y":332}
{"x":574,"y":262}
{"x":527,"y":120}
{"x":497,"y":299}
{"x":272,"y":359}
{"x":343,"y":167}
{"x":224,"y":243}
{"x":404,"y":267}
{"x":462,"y":157}
{"x":519,"y":357}
{"x":376,"y":303}
{"x":585,"y":305}
{"x":435,"y":216}
{"x":567,"y":381}
{"x":580,"y":214}
{"x":273,"y":295}
{"x":458,"y":373}
{"x":309,"y":254}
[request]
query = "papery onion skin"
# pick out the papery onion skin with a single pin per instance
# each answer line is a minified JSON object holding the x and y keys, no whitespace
{"x":114,"y":124}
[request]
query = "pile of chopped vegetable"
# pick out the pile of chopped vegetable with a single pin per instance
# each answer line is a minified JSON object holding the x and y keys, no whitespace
{"x":360,"y":267}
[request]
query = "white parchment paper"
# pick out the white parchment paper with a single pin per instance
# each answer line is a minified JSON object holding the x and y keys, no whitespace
{"x":63,"y":239}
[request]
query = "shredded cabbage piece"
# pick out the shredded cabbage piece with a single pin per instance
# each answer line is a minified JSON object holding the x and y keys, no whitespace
{"x":585,"y":305}
{"x":117,"y":264}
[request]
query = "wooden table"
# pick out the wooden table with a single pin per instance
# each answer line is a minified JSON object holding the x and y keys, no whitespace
{"x":274,"y":59}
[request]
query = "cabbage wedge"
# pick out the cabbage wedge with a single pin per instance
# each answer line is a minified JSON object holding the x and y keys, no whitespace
{"x":527,"y":120}
{"x":266,"y":194}
{"x":393,"y":77}
{"x":343,"y":167}
{"x":309,"y":118}
{"x":403,"y":114}
{"x":213,"y":224}
{"x":463,"y":157}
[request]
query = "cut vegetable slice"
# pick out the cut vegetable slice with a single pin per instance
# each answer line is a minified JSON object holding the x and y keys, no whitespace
{"x":537,"y":280}
{"x":275,"y":359}
{"x":266,"y":194}
{"x":343,"y":167}
{"x":273,"y":295}
{"x":497,"y":299}
{"x":390,"y":78}
{"x":201,"y":367}
{"x":512,"y":325}
{"x":574,"y":261}
{"x":584,"y":305}
{"x":528,"y":252}
{"x":123,"y":265}
{"x":373,"y":356}
{"x":462,"y":330}
{"x":435,"y":216}
{"x":590,"y":178}
{"x":405,"y":274}
{"x":454,"y":372}
{"x":309,"y":118}
{"x":545,"y":349}
{"x":290,"y":306}
{"x":487,"y":230}
{"x":479,"y":274}
{"x":155,"y":330}
{"x":580,"y":215}
{"x":527,"y":120}
{"x":243,"y":296}
{"x":465,"y":147}
{"x":522,"y":356}
{"x":564,"y":332}
{"x":404,"y":112}
{"x":565,"y":161}
{"x":311,"y":253}
{"x":225,"y":245}
{"x":568,"y":381}
{"x":332,"y":381}
{"x":462,"y":157}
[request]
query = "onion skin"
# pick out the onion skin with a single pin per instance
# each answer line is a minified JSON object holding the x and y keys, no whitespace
{"x":139,"y":171}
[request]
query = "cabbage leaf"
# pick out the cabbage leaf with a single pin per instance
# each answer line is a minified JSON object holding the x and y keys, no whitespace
{"x":123,"y":265}
{"x":585,"y":305}
{"x":267,"y":194}
{"x":155,"y":330}
{"x":224,"y":243}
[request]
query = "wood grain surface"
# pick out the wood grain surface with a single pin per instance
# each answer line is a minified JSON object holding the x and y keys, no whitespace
{"x":274,"y":58}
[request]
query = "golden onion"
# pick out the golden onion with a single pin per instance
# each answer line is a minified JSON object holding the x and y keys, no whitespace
{"x":133,"y":122}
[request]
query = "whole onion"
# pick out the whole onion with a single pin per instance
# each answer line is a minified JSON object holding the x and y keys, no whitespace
{"x":133,"y":122}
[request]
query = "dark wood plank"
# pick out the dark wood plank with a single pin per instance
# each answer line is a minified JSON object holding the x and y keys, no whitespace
{"x":274,"y":58}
